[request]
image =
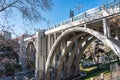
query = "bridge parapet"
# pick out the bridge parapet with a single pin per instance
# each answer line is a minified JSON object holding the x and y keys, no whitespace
{"x":93,"y":14}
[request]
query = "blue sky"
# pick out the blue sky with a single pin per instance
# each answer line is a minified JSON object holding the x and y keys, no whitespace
{"x":58,"y":13}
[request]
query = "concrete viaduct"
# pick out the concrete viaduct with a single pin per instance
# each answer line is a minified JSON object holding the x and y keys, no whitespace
{"x":60,"y":47}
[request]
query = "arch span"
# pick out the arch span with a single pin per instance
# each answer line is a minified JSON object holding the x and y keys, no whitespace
{"x":71,"y":57}
{"x":30,"y":51}
{"x":111,"y":42}
{"x":67,"y":47}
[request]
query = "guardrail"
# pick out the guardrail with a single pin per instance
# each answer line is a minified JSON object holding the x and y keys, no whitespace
{"x":92,"y":14}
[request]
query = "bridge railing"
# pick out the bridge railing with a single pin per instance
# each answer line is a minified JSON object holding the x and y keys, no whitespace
{"x":67,"y":21}
{"x":78,"y":17}
{"x":94,"y":13}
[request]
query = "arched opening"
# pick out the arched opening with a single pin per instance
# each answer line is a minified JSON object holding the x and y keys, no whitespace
{"x":30,"y":58}
{"x":108,"y":41}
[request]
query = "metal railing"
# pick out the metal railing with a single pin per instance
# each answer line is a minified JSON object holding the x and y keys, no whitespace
{"x":94,"y":13}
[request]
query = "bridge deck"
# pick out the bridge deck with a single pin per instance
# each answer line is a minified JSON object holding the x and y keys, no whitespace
{"x":96,"y":14}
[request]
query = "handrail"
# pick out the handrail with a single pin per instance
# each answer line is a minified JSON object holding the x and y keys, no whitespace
{"x":92,"y":14}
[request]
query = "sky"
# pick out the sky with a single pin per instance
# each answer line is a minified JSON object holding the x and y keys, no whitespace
{"x":61,"y":9}
{"x":59,"y":12}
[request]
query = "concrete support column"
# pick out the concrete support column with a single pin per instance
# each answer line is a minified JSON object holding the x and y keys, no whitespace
{"x":37,"y":57}
{"x":54,"y":60}
{"x":46,"y":48}
{"x":66,"y":58}
{"x":61,"y":68}
{"x":116,"y":32}
{"x":62,"y":44}
{"x":78,"y":51}
{"x":67,"y":44}
{"x":106,"y":28}
{"x":71,"y":59}
{"x":49,"y":71}
{"x":44,"y":52}
{"x":52,"y":41}
{"x":119,"y":29}
{"x":62,"y":47}
{"x":75,"y":68}
{"x":55,"y":36}
{"x":49,"y":43}
{"x":82,"y":50}
{"x":39,"y":60}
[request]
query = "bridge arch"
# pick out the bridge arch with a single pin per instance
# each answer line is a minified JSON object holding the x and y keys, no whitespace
{"x":112,"y":43}
{"x":30,"y":53}
{"x":76,"y":62}
{"x":72,"y":56}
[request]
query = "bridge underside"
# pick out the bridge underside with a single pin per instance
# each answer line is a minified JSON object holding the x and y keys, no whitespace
{"x":67,"y":41}
{"x":59,"y":50}
{"x":69,"y":46}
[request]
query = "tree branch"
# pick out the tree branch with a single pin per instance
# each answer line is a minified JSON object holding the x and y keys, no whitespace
{"x":7,"y":6}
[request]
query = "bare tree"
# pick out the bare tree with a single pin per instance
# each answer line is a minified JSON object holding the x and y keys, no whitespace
{"x":29,"y":10}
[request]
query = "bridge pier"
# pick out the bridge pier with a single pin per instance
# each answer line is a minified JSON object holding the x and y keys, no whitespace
{"x":97,"y":27}
{"x":106,"y":28}
{"x":59,"y":50}
{"x":118,"y":34}
{"x":48,"y":42}
{"x":40,"y":55}
{"x":117,"y":29}
{"x":55,"y":37}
